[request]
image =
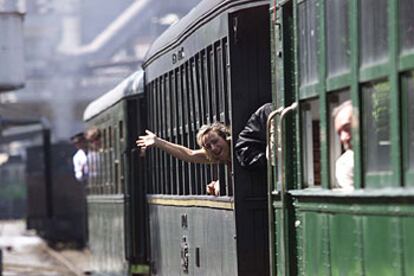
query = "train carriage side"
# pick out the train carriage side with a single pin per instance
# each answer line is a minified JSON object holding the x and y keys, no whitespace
{"x":116,"y":207}
{"x":327,"y":53}
{"x":213,"y":65}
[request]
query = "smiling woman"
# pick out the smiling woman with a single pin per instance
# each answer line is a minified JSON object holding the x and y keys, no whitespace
{"x":213,"y":139}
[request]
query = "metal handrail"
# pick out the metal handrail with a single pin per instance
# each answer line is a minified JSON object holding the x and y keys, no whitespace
{"x":269,"y":187}
{"x":288,"y":109}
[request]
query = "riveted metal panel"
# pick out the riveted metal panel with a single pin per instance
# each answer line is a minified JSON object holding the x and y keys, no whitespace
{"x":381,"y":246}
{"x":106,"y":225}
{"x":345,"y":245}
{"x":315,"y":244}
{"x":407,"y":224}
{"x":208,"y":233}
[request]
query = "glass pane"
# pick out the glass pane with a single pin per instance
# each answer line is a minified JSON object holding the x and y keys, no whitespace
{"x":308,"y":37}
{"x":376,"y":126}
{"x":373,"y":31}
{"x":335,"y":147}
{"x":410,"y":119}
{"x":311,"y":152}
{"x":337,"y":35}
{"x":406,"y":24}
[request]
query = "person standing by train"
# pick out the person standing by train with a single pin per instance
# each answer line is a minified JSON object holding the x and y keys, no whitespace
{"x":80,"y":161}
{"x":213,"y":139}
{"x":344,"y":166}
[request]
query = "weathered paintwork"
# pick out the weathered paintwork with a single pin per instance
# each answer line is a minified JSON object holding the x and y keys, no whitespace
{"x":320,"y":230}
{"x":210,"y":232}
{"x":107,"y":238}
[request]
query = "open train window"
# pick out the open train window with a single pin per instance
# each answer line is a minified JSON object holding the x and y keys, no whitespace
{"x":311,"y":153}
{"x":336,"y":149}
{"x":376,"y":132}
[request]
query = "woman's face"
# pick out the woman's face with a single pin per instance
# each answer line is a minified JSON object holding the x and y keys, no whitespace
{"x":217,"y":147}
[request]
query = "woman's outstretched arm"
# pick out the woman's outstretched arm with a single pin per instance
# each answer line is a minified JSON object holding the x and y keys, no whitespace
{"x":176,"y":150}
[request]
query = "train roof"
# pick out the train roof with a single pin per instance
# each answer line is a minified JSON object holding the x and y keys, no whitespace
{"x":173,"y":34}
{"x":132,"y":85}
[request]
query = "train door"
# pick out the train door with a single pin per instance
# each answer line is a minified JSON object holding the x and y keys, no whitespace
{"x":135,"y":190}
{"x":282,"y":141}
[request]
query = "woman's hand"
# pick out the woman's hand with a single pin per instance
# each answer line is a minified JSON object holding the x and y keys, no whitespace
{"x":213,"y":188}
{"x":145,"y":141}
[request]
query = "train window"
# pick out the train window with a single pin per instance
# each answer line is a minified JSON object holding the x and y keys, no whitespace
{"x":110,"y":137}
{"x":308,"y":39}
{"x":121,"y":129}
{"x":335,"y":147}
{"x":408,"y":122}
{"x":376,"y":127}
{"x":373,"y":29}
{"x":311,"y":143}
{"x":406,"y":25}
{"x":337,"y":34}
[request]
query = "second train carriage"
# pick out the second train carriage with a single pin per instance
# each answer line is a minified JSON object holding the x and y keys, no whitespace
{"x":213,"y":65}
{"x":116,"y":186}
{"x":327,"y":52}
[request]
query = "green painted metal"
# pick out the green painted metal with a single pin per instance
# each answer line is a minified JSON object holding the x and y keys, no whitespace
{"x":406,"y":62}
{"x":393,"y":39}
{"x":323,"y":112}
{"x":308,"y":91}
{"x":354,"y":46}
{"x":381,"y":246}
{"x":407,"y":225}
{"x":345,"y":247}
{"x":368,"y":231}
{"x":374,"y":72}
{"x":338,"y":82}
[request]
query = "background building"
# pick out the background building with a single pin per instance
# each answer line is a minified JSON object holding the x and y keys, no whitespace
{"x":76,"y":50}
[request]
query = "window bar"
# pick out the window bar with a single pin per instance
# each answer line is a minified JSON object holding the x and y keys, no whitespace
{"x":164,"y":157}
{"x":180,"y":129}
{"x":192,"y":121}
{"x":174,"y":131}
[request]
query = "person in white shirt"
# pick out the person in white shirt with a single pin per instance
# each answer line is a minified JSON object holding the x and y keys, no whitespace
{"x":80,"y":161}
{"x":344,"y":166}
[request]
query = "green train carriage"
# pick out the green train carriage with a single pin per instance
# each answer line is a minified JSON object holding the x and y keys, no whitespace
{"x":325,"y":52}
{"x":117,"y":209}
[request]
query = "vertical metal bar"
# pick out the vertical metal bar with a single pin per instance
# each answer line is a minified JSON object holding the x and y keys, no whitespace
{"x":157,"y":129}
{"x":192,"y":121}
{"x":395,"y":124}
{"x":196,"y":99}
{"x":227,"y":87}
{"x":186,"y":124}
{"x":203,"y":109}
{"x":167,"y":120}
{"x":354,"y":46}
{"x":180,"y":128}
{"x":174,"y":130}
{"x":284,"y":247}
{"x":163,"y":113}
{"x":270,"y":188}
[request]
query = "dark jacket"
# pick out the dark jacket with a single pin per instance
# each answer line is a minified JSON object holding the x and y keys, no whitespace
{"x":250,"y":146}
